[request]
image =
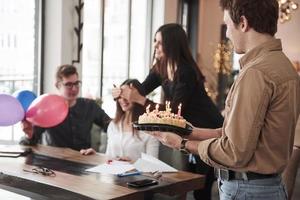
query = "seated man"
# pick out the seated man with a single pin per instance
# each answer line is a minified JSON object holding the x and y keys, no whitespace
{"x":74,"y":131}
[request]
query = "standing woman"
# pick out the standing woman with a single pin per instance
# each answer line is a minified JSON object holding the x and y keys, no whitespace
{"x":182,"y":82}
{"x":125,"y":143}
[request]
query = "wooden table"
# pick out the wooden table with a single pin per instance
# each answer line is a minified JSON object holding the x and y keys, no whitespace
{"x":73,"y":182}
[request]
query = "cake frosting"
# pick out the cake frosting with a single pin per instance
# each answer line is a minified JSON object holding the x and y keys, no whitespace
{"x":162,"y":117}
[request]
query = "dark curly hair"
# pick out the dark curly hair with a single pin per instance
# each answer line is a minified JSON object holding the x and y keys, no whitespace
{"x":262,"y":15}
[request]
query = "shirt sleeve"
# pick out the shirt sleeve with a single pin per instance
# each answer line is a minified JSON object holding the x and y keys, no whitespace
{"x":152,"y":146}
{"x":152,"y":81}
{"x":109,"y":150}
{"x":243,"y":123}
{"x":101,"y":118}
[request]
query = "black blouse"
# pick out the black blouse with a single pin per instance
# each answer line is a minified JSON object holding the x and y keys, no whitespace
{"x":197,"y":107}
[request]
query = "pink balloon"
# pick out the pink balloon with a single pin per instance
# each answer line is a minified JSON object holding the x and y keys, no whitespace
{"x":47,"y":110}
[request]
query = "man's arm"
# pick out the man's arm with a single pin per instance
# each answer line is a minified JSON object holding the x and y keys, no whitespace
{"x":27,"y":128}
{"x":32,"y":133}
{"x":247,"y":107}
{"x":174,"y":141}
{"x":204,"y":133}
{"x":102,"y":119}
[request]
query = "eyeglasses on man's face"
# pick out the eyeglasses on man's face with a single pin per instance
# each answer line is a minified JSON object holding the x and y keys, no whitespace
{"x":70,"y":85}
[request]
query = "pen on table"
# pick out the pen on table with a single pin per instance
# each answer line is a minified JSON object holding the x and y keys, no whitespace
{"x":129,"y":174}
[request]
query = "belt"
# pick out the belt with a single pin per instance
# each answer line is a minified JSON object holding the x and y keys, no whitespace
{"x":227,"y":175}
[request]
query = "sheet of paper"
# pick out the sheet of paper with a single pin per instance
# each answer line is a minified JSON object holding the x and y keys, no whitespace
{"x":11,"y":149}
{"x":149,"y":163}
{"x":10,"y":155}
{"x":114,"y":167}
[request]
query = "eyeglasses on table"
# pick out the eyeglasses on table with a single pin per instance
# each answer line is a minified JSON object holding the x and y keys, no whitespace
{"x":41,"y":170}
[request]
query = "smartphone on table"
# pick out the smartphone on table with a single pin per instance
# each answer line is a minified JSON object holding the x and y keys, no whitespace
{"x":142,"y":183}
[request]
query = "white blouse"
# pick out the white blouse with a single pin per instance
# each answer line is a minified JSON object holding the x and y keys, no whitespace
{"x":124,"y":144}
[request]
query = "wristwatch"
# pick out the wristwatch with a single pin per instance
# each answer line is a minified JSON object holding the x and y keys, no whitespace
{"x":183,"y":148}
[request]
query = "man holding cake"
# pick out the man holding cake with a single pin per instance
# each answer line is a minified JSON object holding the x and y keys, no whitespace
{"x":261,"y":109}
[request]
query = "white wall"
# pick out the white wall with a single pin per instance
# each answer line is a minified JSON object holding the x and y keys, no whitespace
{"x":170,"y":11}
{"x":209,"y":27}
{"x":60,"y":19}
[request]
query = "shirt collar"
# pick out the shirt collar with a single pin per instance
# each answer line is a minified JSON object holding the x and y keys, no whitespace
{"x":271,"y":45}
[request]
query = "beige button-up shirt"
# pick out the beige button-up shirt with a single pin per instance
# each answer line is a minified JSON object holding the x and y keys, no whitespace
{"x":261,"y":112}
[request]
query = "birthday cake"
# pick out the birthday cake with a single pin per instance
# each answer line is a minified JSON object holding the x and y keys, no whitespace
{"x":165,"y":117}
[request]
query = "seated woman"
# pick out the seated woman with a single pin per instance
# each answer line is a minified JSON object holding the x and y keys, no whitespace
{"x":125,"y":143}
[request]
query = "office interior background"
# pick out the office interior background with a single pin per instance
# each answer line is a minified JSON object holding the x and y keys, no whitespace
{"x":110,"y":41}
{"x":113,"y":42}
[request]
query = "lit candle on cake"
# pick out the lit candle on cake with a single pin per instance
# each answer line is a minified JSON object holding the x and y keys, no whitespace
{"x":169,"y":107}
{"x":179,"y":110}
{"x":156,"y":108}
{"x":148,"y":109}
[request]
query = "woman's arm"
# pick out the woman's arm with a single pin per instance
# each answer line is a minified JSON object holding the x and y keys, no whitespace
{"x":109,"y":149}
{"x":151,"y":82}
{"x":152,"y":146}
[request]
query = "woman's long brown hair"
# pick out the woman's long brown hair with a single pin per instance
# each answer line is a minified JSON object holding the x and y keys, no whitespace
{"x":177,"y":52}
{"x":136,"y":109}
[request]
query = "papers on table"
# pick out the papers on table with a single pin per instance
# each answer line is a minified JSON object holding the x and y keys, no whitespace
{"x":114,"y":167}
{"x":13,"y":151}
{"x":146,"y":163}
{"x":149,"y":163}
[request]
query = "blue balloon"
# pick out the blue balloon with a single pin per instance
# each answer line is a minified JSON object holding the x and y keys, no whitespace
{"x":25,"y":97}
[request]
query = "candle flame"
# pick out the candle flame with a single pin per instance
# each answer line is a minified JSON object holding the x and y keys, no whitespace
{"x":179,"y":109}
{"x":156,"y":107}
{"x":148,"y":109}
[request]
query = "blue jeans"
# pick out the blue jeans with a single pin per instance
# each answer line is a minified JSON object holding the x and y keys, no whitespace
{"x":259,"y":189}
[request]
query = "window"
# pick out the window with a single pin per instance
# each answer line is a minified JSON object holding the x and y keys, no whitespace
{"x":19,"y":36}
{"x":115,"y":46}
{"x":91,"y":61}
